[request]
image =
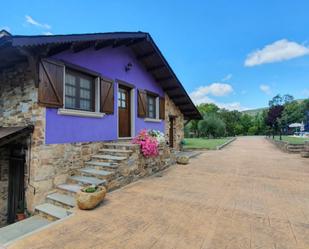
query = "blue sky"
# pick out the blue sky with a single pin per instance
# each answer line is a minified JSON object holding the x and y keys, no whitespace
{"x":237,"y":54}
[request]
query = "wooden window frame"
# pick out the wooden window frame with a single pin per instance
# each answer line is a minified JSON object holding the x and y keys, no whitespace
{"x":155,"y":105}
{"x":93,"y":91}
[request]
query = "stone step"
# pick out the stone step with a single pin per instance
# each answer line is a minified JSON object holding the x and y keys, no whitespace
{"x":121,"y":145}
{"x":109,"y":157}
{"x":52,"y":212}
{"x":295,"y":146}
{"x":64,"y":200}
{"x":102,"y":164}
{"x":15,"y":231}
{"x":96,"y":172}
{"x":87,"y":180}
{"x":69,"y":188}
{"x":116,"y":151}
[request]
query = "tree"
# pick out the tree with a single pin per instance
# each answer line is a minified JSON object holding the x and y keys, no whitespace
{"x":273,"y":116}
{"x":208,"y":108}
{"x":246,"y":122}
{"x":211,"y":126}
{"x":293,"y":112}
{"x":231,"y":119}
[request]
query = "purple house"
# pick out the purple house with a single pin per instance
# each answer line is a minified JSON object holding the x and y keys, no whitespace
{"x":68,"y":99}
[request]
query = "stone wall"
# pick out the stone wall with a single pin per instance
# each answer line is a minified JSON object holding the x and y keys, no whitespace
{"x":172,"y":110}
{"x":137,"y":166}
{"x":48,"y":165}
{"x":4,"y":184}
{"x":52,"y":164}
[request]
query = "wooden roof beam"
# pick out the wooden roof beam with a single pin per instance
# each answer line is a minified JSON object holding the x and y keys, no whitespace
{"x":156,"y":68}
{"x":177,"y":96}
{"x":135,"y":42}
{"x":103,"y":44}
{"x":145,"y":56}
{"x":78,"y":47}
{"x":165,"y":79}
{"x":170,"y":88}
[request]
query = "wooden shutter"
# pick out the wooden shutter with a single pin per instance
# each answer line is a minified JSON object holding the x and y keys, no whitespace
{"x":142,"y":103}
{"x":162,"y":109}
{"x":51,"y":82}
{"x":107,"y":96}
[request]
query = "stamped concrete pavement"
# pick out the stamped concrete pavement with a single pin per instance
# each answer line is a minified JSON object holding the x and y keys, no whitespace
{"x":249,"y":195}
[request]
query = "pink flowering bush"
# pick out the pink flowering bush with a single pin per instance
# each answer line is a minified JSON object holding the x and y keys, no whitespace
{"x":149,"y":145}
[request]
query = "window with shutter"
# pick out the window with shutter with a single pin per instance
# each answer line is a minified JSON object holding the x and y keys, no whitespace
{"x":142,"y":103}
{"x":79,"y":91}
{"x":51,"y":77}
{"x":107,"y":96}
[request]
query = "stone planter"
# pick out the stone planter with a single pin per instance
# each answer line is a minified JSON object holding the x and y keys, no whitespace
{"x":87,"y":201}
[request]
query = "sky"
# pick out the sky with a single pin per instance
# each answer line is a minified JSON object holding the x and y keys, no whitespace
{"x":236,"y":54}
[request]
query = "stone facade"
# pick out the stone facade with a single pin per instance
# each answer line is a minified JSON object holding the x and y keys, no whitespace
{"x":50,"y":165}
{"x":172,"y":110}
{"x":137,"y":166}
{"x":4,"y":184}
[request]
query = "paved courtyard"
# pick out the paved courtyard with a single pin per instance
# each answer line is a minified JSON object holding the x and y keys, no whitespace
{"x":249,"y":195}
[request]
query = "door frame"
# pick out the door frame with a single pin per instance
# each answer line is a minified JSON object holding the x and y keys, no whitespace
{"x":132,"y":107}
{"x":171,"y":120}
{"x":14,"y":184}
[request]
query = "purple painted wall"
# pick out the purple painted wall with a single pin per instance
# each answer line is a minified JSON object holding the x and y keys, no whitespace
{"x":110,"y":62}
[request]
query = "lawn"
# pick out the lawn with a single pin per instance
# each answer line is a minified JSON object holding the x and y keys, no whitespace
{"x":204,"y":143}
{"x":292,"y":140}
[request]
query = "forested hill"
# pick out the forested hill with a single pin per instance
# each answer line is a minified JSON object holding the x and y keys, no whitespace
{"x":254,"y":112}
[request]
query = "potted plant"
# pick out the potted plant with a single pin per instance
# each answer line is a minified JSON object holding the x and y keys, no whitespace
{"x":89,"y":197}
{"x":20,"y":213}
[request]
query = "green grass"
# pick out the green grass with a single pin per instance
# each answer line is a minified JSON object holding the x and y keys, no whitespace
{"x":204,"y":143}
{"x":292,"y":140}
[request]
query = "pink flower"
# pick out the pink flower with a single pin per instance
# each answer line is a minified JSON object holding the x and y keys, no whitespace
{"x":149,"y":145}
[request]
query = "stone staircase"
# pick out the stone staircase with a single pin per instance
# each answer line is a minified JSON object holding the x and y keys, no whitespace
{"x":99,"y":171}
{"x":295,"y":148}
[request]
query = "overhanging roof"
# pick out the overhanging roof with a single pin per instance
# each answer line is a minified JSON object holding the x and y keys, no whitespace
{"x":141,"y":43}
{"x":9,"y":134}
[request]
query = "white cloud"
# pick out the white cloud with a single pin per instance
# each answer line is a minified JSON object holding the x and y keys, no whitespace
{"x":31,"y":21}
{"x":201,"y":95}
{"x":47,"y":33}
{"x":232,"y":106}
{"x":278,"y":51}
{"x":215,"y":89}
{"x":227,"y":77}
{"x":265,"y":89}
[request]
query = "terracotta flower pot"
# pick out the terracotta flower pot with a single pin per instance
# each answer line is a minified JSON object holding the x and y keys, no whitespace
{"x":20,"y":216}
{"x":87,"y":201}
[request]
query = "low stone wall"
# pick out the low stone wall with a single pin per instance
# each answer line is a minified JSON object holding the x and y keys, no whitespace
{"x":52,"y":164}
{"x":286,"y":146}
{"x":137,"y":166}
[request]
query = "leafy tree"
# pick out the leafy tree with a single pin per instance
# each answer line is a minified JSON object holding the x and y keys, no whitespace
{"x":273,"y":118}
{"x":253,"y":130}
{"x":211,"y":126}
{"x":208,"y":108}
{"x":293,"y":112}
{"x":239,"y":129}
{"x":246,"y":122}
{"x":231,"y":119}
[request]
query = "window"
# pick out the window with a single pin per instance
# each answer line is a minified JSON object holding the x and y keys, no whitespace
{"x":122,"y":94}
{"x":79,"y":91}
{"x":151,"y":106}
